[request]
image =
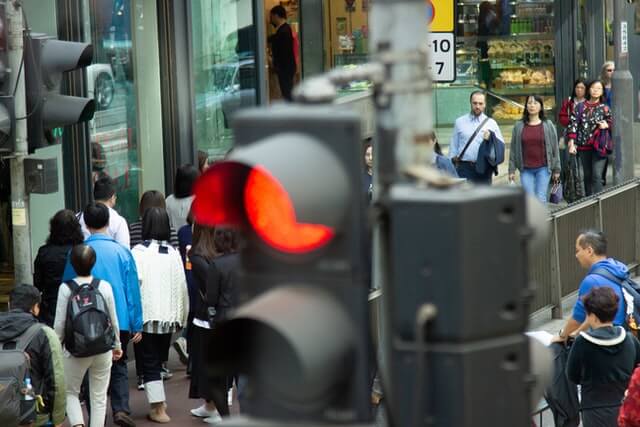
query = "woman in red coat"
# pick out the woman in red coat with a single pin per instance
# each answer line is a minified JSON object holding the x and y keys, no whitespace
{"x":569,"y":104}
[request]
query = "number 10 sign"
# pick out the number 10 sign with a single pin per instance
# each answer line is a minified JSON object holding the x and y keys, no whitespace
{"x":442,"y":57}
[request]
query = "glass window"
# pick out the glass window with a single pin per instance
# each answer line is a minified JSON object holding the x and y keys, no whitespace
{"x":505,"y":48}
{"x":110,"y":80}
{"x":346,"y":28}
{"x":224,"y":70}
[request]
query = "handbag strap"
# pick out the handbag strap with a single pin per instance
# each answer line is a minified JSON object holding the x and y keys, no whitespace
{"x":473,"y":135}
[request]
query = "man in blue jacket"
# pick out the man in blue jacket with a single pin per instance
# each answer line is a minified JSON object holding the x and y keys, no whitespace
{"x":591,"y":253}
{"x":115,"y":264}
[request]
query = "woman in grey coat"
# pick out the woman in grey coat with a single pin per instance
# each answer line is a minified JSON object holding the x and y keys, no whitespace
{"x":534,"y":150}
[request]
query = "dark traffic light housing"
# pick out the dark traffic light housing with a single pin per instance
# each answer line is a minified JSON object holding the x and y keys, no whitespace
{"x":293,"y":184}
{"x":45,"y":59}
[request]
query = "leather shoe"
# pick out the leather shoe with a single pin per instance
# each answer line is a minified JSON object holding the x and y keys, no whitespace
{"x":123,"y":419}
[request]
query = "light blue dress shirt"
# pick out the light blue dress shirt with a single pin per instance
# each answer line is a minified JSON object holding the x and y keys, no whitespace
{"x":462,"y":131}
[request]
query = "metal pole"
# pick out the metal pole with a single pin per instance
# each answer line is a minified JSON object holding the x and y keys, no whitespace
{"x":19,"y":199}
{"x":622,"y":88}
{"x":399,"y":37}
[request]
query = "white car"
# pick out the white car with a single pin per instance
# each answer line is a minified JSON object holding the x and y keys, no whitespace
{"x":100,"y":85}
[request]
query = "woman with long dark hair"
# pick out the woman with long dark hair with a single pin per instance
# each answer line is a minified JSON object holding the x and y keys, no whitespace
{"x":165,"y":303}
{"x":64,"y":233}
{"x":534,"y":150}
{"x":589,"y":123}
{"x":179,"y":203}
{"x":201,"y":256}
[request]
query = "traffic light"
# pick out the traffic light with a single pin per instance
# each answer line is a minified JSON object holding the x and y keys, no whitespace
{"x":45,"y":59}
{"x":7,"y":115}
{"x":293,"y":184}
{"x":457,"y":309}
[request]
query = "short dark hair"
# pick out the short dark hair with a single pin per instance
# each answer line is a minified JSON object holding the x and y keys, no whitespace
{"x":478,"y":92}
{"x":525,"y":113}
{"x":186,"y":175}
{"x":96,"y":215}
{"x":576,"y":83}
{"x":82,"y":258}
{"x":65,"y":229}
{"x":595,"y":239}
{"x":203,"y":158}
{"x":603,"y":302}
{"x":23,"y":297}
{"x":591,"y":83}
{"x":155,"y":224}
{"x":151,"y":199}
{"x":280,"y":11}
{"x":225,"y":240}
{"x":103,"y":188}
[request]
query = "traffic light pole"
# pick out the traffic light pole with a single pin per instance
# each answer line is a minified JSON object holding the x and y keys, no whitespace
{"x":19,"y":198}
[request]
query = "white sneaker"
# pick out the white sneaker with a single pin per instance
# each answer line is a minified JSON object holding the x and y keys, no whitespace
{"x":214,"y":419}
{"x":203,"y":412}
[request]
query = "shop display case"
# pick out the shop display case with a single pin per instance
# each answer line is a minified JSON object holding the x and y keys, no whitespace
{"x":467,"y":72}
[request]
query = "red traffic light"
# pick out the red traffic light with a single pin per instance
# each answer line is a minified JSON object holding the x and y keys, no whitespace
{"x":262,"y":188}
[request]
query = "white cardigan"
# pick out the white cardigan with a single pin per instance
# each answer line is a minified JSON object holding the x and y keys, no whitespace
{"x":163,"y":286}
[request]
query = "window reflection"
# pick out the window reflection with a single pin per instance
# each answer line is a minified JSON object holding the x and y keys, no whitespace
{"x":224,"y":72}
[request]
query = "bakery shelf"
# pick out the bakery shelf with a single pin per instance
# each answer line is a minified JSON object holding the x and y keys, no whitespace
{"x":521,"y":36}
{"x":517,"y":66}
{"x":538,"y":90}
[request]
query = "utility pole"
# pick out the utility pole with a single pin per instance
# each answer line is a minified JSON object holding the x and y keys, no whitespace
{"x":19,"y":198}
{"x":622,"y":87}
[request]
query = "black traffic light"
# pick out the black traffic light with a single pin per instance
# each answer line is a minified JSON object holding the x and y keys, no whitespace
{"x":294,"y":185}
{"x":462,"y":253}
{"x":7,"y":115}
{"x":45,"y":59}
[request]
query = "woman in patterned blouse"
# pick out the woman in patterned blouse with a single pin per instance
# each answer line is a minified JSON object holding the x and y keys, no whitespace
{"x":593,"y":114}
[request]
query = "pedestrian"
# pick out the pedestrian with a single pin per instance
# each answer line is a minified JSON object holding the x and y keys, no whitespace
{"x":222,"y":296}
{"x":469,"y":132}
{"x":97,"y":365}
{"x":64,"y":233}
{"x":591,"y":120}
{"x":182,"y":344}
{"x":165,"y":303}
{"x":104,"y":191}
{"x":45,"y":366}
{"x":602,"y":359}
{"x":203,"y":161}
{"x":367,"y":177}
{"x":442,"y":163}
{"x":201,"y":256}
{"x":179,"y":203}
{"x":534,"y":150}
{"x":149,"y":199}
{"x":571,"y":173}
{"x":591,"y":253}
{"x":282,"y":50}
{"x":606,"y":75}
{"x":116,"y":265}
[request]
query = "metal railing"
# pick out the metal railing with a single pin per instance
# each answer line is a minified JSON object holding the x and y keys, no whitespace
{"x":555,"y":271}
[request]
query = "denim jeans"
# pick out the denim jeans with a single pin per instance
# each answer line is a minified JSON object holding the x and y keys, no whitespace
{"x":536,"y":182}
{"x":119,"y":386}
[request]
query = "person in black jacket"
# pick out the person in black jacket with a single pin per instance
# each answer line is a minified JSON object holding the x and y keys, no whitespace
{"x":602,"y":360}
{"x":283,"y":58}
{"x":44,"y":350}
{"x":64,"y":232}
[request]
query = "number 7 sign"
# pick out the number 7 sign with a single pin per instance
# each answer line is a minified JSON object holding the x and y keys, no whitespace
{"x":442,"y":56}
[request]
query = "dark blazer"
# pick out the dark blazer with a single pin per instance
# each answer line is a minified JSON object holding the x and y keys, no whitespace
{"x":490,"y":155}
{"x":221,"y":285}
{"x":284,"y":60}
{"x":48,"y":268}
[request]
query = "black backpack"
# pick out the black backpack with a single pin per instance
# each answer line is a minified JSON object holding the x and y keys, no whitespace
{"x":631,"y":299}
{"x":88,"y":330}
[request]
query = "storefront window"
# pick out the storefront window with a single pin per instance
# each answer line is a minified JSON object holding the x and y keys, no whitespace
{"x":224,"y":70}
{"x":505,"y":48}
{"x":346,"y":27}
{"x":110,"y":80}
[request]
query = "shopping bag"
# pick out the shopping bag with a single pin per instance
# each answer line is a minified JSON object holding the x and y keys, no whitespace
{"x":555,"y":196}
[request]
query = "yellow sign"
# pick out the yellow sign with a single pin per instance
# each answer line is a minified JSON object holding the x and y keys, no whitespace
{"x":440,"y":14}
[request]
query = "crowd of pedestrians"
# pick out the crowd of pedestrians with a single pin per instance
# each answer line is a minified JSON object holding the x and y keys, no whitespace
{"x":100,"y":284}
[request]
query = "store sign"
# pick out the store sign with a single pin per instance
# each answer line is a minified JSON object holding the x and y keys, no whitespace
{"x":440,"y":15}
{"x":624,"y":38}
{"x":442,"y":56}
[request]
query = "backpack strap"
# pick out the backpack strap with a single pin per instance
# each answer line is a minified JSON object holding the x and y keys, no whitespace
{"x":95,"y":282}
{"x":73,"y":285}
{"x":25,"y":339}
{"x":603,"y":272}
